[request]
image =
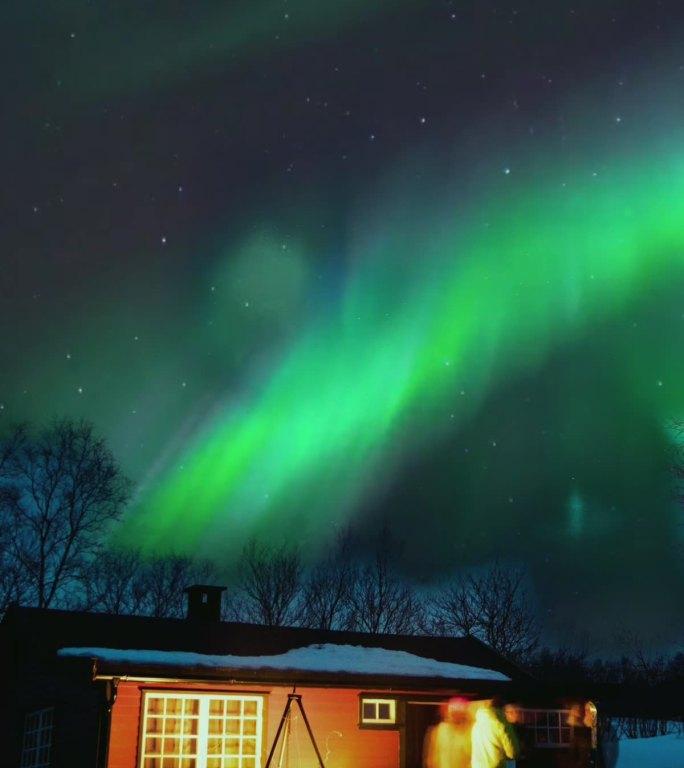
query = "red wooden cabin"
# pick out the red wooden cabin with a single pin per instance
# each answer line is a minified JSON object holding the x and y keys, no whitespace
{"x":88,"y":689}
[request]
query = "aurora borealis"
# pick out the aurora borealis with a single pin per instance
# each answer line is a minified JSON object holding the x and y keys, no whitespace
{"x":308,"y":268}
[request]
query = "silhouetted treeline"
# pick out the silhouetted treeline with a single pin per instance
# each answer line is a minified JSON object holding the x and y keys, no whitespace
{"x":61,"y":493}
{"x":635,"y":666}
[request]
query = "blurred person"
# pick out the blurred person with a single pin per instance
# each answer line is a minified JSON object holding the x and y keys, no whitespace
{"x":447,"y":744}
{"x":580,"y":751}
{"x":513,"y":713}
{"x":493,"y":738}
{"x":608,"y":744}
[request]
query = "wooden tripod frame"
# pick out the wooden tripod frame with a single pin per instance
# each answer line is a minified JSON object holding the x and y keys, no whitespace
{"x":292,"y":697}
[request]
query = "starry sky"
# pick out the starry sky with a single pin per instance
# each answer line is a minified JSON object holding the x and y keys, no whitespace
{"x":317,"y":265}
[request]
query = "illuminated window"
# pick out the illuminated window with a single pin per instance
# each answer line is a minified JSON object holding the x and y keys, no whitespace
{"x":201,"y":731}
{"x":35,"y":750}
{"x":378,"y":711}
{"x":549,"y":726}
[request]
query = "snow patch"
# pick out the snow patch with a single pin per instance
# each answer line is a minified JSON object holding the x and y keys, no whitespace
{"x":661,"y":751}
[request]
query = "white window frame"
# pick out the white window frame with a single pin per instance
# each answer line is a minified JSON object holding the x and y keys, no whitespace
{"x":529,"y":720}
{"x":203,"y":735}
{"x":377,"y":720}
{"x":36,"y":748}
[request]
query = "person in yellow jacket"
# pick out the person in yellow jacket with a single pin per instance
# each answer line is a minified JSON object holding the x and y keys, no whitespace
{"x":493,"y":739}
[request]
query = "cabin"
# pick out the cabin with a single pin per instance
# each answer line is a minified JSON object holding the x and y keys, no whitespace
{"x":89,"y":689}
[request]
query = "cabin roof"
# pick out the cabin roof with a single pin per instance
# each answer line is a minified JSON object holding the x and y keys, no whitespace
{"x":204,"y":648}
{"x":323,"y":659}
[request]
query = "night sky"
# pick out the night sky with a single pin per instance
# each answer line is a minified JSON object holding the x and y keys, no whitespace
{"x":309,"y":264}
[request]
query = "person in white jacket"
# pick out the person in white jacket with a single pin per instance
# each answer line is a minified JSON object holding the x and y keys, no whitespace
{"x":493,"y":739}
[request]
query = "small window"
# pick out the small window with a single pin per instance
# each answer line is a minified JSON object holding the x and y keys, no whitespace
{"x":378,"y":711}
{"x":37,"y":743}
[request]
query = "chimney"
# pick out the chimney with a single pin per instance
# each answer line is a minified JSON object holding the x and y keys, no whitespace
{"x":204,"y":602}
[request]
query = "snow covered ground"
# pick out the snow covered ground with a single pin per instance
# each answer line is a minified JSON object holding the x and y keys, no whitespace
{"x":659,"y":752}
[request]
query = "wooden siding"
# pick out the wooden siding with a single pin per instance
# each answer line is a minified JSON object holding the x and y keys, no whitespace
{"x":332,"y":714}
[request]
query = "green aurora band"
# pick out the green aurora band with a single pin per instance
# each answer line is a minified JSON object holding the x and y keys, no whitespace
{"x":431,"y":320}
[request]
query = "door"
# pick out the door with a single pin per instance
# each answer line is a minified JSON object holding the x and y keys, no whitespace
{"x":419,"y":717}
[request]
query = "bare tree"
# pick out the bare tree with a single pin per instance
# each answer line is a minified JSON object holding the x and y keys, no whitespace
{"x":493,"y":606}
{"x":61,"y":491}
{"x":327,"y":589}
{"x":12,"y":582}
{"x":564,"y":664}
{"x":164,"y":581}
{"x":269,"y":585}
{"x":380,"y":601}
{"x":13,"y":578}
{"x":453,"y":611}
{"x":115,"y":582}
{"x":123,"y":581}
{"x":639,"y":663}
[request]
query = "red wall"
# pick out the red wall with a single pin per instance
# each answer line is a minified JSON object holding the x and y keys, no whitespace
{"x":123,"y":740}
{"x":332,"y":714}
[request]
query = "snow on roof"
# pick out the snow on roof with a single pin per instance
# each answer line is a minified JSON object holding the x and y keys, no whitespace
{"x":350,"y":659}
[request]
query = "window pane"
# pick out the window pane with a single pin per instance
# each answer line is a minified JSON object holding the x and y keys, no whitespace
{"x":189,"y":746}
{"x":216,"y":707}
{"x":249,"y":728}
{"x":368,"y":711}
{"x":249,"y":747}
{"x":191,"y":707}
{"x":383,"y":711}
{"x":172,"y":725}
{"x":214,"y":746}
{"x":215,"y":725}
{"x":250,"y":708}
{"x":190,"y":725}
{"x":233,"y":726}
{"x":233,"y":707}
{"x":154,"y":725}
